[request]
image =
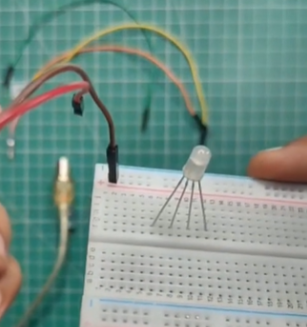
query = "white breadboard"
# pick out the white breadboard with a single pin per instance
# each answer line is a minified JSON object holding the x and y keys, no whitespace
{"x":249,"y":269}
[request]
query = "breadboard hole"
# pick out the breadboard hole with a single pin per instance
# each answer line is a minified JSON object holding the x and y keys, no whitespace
{"x":296,"y":323}
{"x":231,"y":221}
{"x":118,"y":314}
{"x":248,"y":269}
{"x":200,"y":278}
{"x":214,"y":184}
{"x":127,"y":316}
{"x":293,"y":192}
{"x":247,"y":321}
{"x":186,"y":318}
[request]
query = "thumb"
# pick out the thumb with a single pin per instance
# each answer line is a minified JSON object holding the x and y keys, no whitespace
{"x":286,"y":164}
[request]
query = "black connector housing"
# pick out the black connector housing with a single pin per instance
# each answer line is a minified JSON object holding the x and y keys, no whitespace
{"x":78,"y":106}
{"x":112,"y":159}
{"x":203,"y":129}
{"x":8,"y":76}
{"x":145,"y":119}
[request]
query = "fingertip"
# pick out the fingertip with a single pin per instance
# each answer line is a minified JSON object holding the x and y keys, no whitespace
{"x":266,"y":165}
{"x":285,"y":164}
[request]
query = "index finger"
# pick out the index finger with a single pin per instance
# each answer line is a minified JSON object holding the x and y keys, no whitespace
{"x":286,"y":164}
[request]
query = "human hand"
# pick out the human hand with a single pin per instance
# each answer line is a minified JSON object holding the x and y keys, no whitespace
{"x":286,"y":164}
{"x":10,"y":274}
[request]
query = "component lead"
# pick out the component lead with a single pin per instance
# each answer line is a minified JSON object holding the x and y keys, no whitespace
{"x":193,"y":171}
{"x":202,"y":205}
{"x":178,"y":204}
{"x":167,"y":201}
{"x":190,"y":206}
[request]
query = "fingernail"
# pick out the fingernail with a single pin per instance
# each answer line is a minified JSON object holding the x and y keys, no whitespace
{"x":273,"y":149}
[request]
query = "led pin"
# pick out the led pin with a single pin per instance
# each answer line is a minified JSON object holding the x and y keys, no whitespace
{"x":193,"y":171}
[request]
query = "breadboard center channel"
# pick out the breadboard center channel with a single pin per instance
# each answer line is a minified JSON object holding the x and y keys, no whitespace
{"x":248,"y":269}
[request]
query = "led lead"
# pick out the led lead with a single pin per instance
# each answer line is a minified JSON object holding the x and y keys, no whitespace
{"x":193,"y":171}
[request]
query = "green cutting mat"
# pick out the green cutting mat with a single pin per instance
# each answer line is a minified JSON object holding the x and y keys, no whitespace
{"x":252,"y":59}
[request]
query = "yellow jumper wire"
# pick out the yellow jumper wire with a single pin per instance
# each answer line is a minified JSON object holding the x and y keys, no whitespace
{"x":178,"y":44}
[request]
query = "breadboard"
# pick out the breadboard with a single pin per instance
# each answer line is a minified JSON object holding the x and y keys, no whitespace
{"x":248,"y":269}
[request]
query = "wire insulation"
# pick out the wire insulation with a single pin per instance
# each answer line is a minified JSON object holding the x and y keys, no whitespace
{"x":121,"y":49}
{"x":62,"y":251}
{"x":50,"y":15}
{"x":74,"y":52}
{"x":57,"y":70}
{"x":22,"y":108}
{"x":132,"y":51}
